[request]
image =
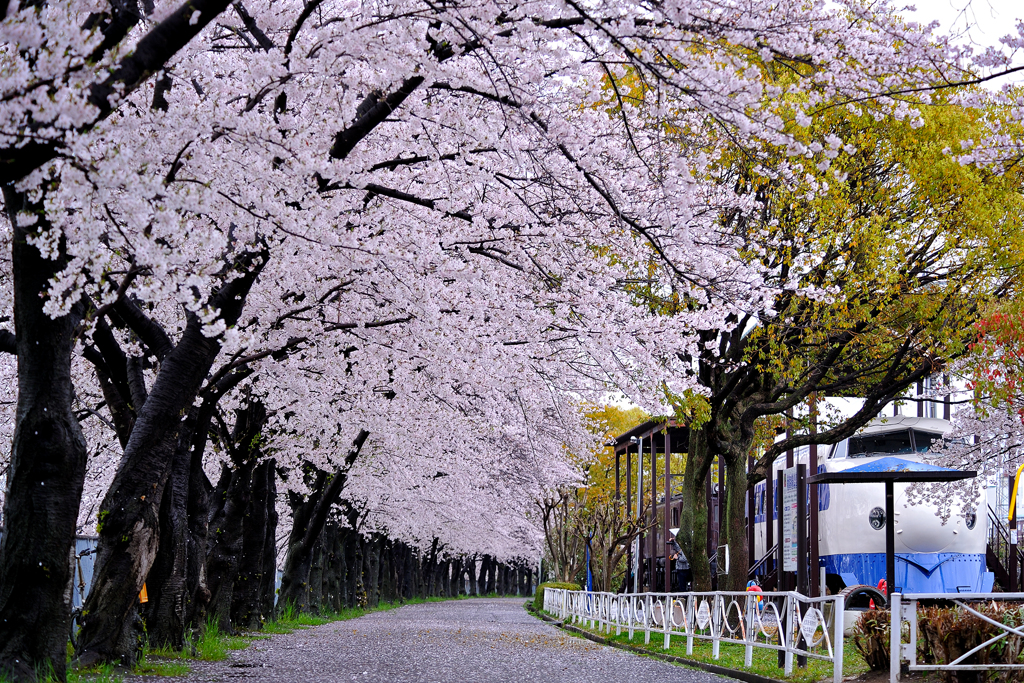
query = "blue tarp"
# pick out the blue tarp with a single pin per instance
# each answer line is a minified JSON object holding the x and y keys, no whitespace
{"x":897,"y":465}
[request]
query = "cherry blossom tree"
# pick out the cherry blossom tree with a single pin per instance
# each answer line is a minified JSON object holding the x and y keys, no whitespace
{"x":395,"y":194}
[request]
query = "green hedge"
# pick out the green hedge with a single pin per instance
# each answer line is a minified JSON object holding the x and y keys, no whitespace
{"x":538,"y":598}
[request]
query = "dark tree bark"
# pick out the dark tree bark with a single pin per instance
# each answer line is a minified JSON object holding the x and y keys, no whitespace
{"x":408,"y":573}
{"x":228,"y":525}
{"x":164,"y":614}
{"x":129,"y":514}
{"x":471,"y":568}
{"x":309,"y":517}
{"x":268,"y":581}
{"x":358,"y":571}
{"x":200,"y":491}
{"x":373,"y":571}
{"x":246,"y":612}
{"x":316,"y":576}
{"x":457,"y":572}
{"x":47,"y":470}
{"x":354,"y":562}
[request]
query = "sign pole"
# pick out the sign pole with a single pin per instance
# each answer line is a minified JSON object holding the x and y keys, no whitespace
{"x":801,"y":552}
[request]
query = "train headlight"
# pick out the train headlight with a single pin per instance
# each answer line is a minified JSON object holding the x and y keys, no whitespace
{"x":970,"y":519}
{"x":877,"y":518}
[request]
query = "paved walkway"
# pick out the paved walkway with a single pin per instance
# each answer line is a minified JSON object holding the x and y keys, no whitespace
{"x":463,"y":641}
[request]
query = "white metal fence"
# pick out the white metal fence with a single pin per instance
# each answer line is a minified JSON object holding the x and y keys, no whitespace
{"x":787,"y":622}
{"x":904,"y":611}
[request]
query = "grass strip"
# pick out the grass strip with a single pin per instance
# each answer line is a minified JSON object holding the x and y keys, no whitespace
{"x":764,"y":662}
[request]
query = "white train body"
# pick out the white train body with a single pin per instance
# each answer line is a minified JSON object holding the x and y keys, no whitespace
{"x":931,"y":557}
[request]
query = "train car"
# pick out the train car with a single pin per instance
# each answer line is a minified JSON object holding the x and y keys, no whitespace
{"x":931,"y":557}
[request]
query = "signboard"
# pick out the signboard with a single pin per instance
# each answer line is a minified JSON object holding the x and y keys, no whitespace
{"x":789,"y":536}
{"x":703,"y":615}
{"x":809,"y":625}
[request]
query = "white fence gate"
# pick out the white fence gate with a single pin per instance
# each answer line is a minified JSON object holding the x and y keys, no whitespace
{"x":787,"y":622}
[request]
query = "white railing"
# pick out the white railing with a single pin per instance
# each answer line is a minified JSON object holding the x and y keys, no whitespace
{"x":904,"y":611}
{"x":811,"y":627}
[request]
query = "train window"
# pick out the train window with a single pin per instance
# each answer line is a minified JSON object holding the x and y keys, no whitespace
{"x":923,"y":440}
{"x":880,"y":444}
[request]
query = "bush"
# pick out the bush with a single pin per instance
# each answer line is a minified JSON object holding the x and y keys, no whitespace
{"x":944,"y":634}
{"x":538,"y":598}
{"x":871,"y":638}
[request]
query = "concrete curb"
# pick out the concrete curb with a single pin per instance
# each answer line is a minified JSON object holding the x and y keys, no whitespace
{"x":746,"y":676}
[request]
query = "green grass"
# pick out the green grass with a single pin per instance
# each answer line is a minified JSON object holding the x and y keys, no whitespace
{"x":102,"y":673}
{"x":764,"y":662}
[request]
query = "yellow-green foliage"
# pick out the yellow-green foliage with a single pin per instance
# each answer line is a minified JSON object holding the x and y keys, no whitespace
{"x":538,"y":598}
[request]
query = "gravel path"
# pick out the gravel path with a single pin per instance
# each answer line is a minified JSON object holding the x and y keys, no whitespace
{"x":463,"y":641}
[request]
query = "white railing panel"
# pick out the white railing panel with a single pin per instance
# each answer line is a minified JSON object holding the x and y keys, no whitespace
{"x":783,"y":621}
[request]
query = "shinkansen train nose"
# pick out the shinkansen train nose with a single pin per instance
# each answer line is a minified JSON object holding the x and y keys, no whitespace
{"x":929,"y":534}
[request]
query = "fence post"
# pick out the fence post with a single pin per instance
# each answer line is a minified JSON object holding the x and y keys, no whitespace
{"x":748,"y":649}
{"x":715,"y":645}
{"x":895,"y":637}
{"x":689,"y":624}
{"x":666,"y":615}
{"x":789,"y":622}
{"x":619,"y":613}
{"x":648,"y":618}
{"x":838,"y":619}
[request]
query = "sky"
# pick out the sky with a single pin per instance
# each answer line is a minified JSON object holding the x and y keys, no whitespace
{"x":984,"y":21}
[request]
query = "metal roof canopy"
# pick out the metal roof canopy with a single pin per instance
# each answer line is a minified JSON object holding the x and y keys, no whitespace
{"x":888,"y":471}
{"x":651,"y":432}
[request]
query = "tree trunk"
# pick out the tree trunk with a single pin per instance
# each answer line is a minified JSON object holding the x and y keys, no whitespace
{"x":268,"y":579}
{"x":47,"y":467}
{"x":373,"y":571}
{"x":471,"y":567}
{"x":129,"y":514}
{"x":693,"y":519}
{"x":199,"y":493}
{"x":316,"y":576}
{"x":246,"y":613}
{"x":222,"y":558}
{"x":164,"y":614}
{"x":457,"y":571}
{"x":309,"y":518}
{"x":354,"y":564}
{"x":736,"y":507}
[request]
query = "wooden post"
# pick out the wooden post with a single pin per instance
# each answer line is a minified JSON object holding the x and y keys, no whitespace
{"x":711,"y":511}
{"x":668,"y":507}
{"x":617,"y":466}
{"x":629,"y":511}
{"x":751,"y":515}
{"x":801,"y":548}
{"x":890,"y":541}
{"x":769,"y":518}
{"x":812,"y":469}
{"x":640,"y":515}
{"x":779,"y":574}
{"x":652,"y":562}
{"x":789,"y":582}
{"x":1011,"y":567}
{"x":945,"y":400}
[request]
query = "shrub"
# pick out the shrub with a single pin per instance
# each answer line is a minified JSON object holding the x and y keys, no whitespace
{"x":946,"y":633}
{"x":538,"y":598}
{"x":871,"y":638}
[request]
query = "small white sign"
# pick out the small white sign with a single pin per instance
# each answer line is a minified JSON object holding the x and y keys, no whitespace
{"x":808,"y":625}
{"x":1013,"y":536}
{"x":703,"y":615}
{"x":789,"y":539}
